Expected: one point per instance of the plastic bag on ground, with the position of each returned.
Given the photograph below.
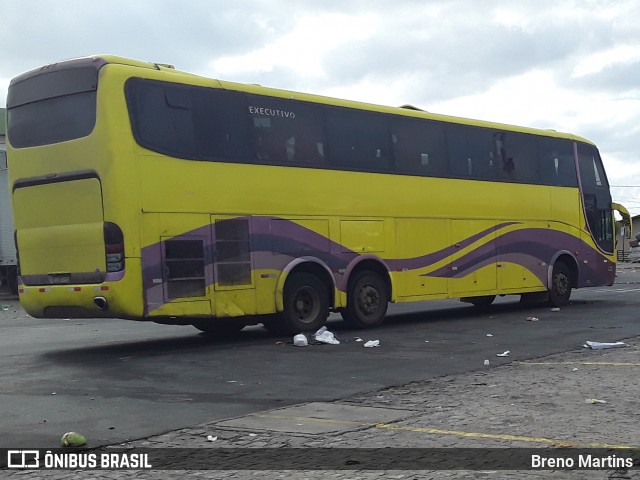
(325, 336)
(300, 340)
(603, 345)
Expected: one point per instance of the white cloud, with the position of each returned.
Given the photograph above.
(530, 99)
(4, 85)
(596, 62)
(372, 89)
(304, 49)
(572, 65)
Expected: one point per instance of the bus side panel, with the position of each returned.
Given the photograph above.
(522, 258)
(221, 265)
(176, 264)
(422, 242)
(595, 268)
(472, 270)
(565, 208)
(234, 279)
(362, 235)
(276, 242)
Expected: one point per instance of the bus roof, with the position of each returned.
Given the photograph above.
(405, 110)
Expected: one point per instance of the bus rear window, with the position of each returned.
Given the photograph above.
(52, 120)
(52, 106)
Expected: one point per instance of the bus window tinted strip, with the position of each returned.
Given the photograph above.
(202, 123)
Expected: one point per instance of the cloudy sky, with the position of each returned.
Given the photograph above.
(567, 65)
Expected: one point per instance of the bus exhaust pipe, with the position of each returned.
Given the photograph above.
(101, 303)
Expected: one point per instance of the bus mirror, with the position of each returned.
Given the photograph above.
(624, 225)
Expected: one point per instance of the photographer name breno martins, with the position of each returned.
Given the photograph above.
(581, 461)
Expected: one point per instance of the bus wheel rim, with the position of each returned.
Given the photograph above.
(369, 300)
(306, 304)
(562, 284)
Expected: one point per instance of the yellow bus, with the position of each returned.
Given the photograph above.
(143, 192)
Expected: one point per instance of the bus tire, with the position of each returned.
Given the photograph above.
(306, 305)
(561, 285)
(367, 300)
(481, 302)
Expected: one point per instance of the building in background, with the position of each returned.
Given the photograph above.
(623, 244)
(8, 257)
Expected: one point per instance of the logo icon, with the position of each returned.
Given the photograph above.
(23, 459)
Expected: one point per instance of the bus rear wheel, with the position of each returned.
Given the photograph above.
(561, 285)
(367, 300)
(480, 302)
(306, 305)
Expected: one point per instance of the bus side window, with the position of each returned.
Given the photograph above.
(557, 162)
(285, 132)
(176, 118)
(471, 152)
(162, 117)
(220, 125)
(517, 159)
(358, 140)
(187, 121)
(418, 147)
(266, 145)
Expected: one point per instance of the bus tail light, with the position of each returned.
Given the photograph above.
(114, 247)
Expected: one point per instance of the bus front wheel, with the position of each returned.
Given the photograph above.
(306, 305)
(367, 300)
(561, 285)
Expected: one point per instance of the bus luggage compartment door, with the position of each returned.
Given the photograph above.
(233, 267)
(473, 268)
(60, 231)
(176, 264)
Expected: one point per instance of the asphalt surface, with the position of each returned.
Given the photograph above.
(117, 381)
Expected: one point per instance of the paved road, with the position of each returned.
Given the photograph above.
(116, 380)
